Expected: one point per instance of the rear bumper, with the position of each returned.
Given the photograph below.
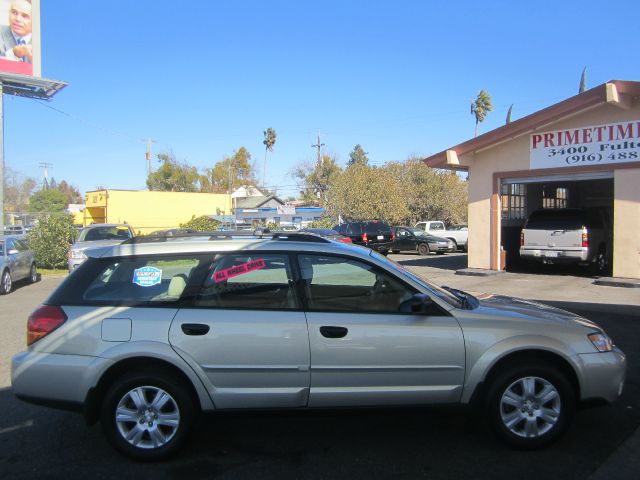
(55, 380)
(555, 255)
(379, 247)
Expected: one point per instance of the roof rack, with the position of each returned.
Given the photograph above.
(230, 235)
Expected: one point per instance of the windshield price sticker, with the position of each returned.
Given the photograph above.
(147, 276)
(241, 269)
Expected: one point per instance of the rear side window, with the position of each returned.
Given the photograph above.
(354, 228)
(253, 281)
(375, 228)
(149, 280)
(436, 226)
(555, 220)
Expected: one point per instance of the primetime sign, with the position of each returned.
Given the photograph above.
(578, 147)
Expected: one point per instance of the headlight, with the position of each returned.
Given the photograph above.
(601, 341)
(78, 254)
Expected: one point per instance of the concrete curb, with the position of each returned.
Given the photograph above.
(617, 282)
(622, 464)
(478, 272)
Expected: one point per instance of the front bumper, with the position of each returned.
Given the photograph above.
(603, 375)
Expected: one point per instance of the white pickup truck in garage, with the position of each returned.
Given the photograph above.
(457, 233)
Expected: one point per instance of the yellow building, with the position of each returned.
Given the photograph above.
(149, 211)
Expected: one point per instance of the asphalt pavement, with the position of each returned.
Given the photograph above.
(444, 443)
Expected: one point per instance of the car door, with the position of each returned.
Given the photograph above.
(363, 350)
(13, 259)
(407, 240)
(246, 331)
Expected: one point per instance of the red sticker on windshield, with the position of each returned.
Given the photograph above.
(241, 269)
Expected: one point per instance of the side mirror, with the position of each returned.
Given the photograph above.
(418, 303)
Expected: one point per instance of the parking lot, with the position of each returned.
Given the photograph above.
(408, 443)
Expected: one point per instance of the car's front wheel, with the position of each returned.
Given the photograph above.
(5, 282)
(423, 249)
(147, 415)
(530, 405)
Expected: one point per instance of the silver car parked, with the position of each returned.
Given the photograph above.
(97, 235)
(147, 334)
(16, 262)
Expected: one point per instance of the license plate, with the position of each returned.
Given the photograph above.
(380, 237)
(551, 254)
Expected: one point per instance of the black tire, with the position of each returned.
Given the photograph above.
(423, 249)
(33, 274)
(558, 406)
(600, 265)
(465, 247)
(6, 282)
(150, 385)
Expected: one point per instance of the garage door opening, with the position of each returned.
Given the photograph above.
(522, 196)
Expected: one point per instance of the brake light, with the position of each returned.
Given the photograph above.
(43, 321)
(345, 240)
(522, 239)
(364, 237)
(393, 237)
(585, 237)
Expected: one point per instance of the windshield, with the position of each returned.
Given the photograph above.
(104, 233)
(438, 291)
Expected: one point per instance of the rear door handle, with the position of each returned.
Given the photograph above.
(333, 332)
(195, 328)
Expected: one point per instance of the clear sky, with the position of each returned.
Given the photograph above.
(206, 77)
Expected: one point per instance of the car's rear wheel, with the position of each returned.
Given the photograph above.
(530, 405)
(33, 273)
(423, 249)
(147, 415)
(5, 282)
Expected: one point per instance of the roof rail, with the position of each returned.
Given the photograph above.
(229, 235)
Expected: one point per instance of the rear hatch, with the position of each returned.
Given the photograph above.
(554, 230)
(378, 232)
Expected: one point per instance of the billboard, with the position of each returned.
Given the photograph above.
(20, 37)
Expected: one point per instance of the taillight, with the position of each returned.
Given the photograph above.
(44, 321)
(522, 239)
(585, 237)
(393, 237)
(345, 240)
(364, 237)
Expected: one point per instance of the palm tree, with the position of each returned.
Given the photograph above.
(269, 141)
(480, 107)
(583, 81)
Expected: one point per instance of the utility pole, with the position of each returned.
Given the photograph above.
(318, 146)
(45, 166)
(149, 141)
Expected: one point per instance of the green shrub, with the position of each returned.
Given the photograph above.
(273, 226)
(201, 224)
(324, 222)
(50, 240)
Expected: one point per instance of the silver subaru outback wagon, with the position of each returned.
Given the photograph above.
(145, 335)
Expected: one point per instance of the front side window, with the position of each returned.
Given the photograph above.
(253, 281)
(345, 284)
(140, 280)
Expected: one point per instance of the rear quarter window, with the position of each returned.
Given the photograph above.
(149, 280)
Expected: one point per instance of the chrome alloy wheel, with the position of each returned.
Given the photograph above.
(147, 417)
(7, 283)
(530, 407)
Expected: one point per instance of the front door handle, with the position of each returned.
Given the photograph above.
(195, 328)
(334, 332)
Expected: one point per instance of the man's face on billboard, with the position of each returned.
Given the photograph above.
(20, 17)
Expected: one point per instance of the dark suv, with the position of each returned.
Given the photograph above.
(374, 234)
